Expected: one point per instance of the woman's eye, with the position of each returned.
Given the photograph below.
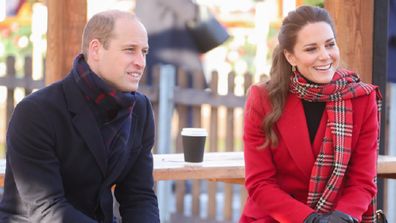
(330, 45)
(310, 49)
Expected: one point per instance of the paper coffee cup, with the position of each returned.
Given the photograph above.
(194, 144)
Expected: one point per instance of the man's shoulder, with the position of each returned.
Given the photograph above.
(47, 97)
(47, 92)
(142, 103)
(141, 98)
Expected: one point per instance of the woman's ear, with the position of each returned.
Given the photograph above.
(289, 57)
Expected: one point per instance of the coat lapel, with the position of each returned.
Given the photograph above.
(293, 131)
(85, 122)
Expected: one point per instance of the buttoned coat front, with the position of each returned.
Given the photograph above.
(277, 178)
(57, 168)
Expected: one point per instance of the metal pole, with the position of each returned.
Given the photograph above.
(166, 104)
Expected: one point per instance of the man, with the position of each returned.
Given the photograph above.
(70, 143)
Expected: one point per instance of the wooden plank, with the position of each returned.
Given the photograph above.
(10, 71)
(179, 218)
(228, 188)
(213, 141)
(354, 30)
(66, 20)
(216, 165)
(26, 83)
(226, 165)
(198, 83)
(248, 80)
(244, 196)
(27, 68)
(198, 97)
(182, 112)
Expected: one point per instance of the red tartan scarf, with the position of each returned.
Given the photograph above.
(332, 161)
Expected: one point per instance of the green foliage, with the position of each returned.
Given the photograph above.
(319, 3)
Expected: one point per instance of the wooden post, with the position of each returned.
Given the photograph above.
(11, 72)
(27, 67)
(354, 21)
(66, 20)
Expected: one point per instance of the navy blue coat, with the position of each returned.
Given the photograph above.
(56, 162)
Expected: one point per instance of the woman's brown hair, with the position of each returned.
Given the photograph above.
(278, 86)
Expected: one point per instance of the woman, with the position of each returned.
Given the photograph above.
(311, 132)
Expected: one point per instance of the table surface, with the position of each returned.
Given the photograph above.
(229, 166)
(219, 166)
(216, 165)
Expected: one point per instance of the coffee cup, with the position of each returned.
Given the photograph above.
(193, 144)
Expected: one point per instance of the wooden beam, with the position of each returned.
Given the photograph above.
(354, 27)
(66, 20)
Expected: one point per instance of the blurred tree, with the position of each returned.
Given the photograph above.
(319, 3)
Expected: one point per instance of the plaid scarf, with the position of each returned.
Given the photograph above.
(111, 108)
(108, 100)
(335, 152)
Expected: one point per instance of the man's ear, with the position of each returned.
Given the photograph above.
(289, 57)
(94, 49)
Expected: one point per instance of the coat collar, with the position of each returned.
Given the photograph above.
(84, 120)
(293, 131)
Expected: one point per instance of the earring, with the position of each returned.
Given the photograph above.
(293, 68)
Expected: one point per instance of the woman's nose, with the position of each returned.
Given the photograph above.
(324, 54)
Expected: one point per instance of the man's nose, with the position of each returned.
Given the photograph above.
(140, 60)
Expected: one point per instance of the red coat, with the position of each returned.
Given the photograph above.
(277, 178)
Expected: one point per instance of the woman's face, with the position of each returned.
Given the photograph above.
(315, 54)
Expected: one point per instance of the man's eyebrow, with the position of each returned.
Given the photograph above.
(133, 45)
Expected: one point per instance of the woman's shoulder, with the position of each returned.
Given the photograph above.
(258, 96)
(258, 90)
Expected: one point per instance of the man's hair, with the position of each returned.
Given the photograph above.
(100, 27)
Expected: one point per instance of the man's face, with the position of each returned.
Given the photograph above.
(121, 65)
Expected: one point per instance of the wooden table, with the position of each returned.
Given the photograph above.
(229, 167)
(220, 166)
(217, 166)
